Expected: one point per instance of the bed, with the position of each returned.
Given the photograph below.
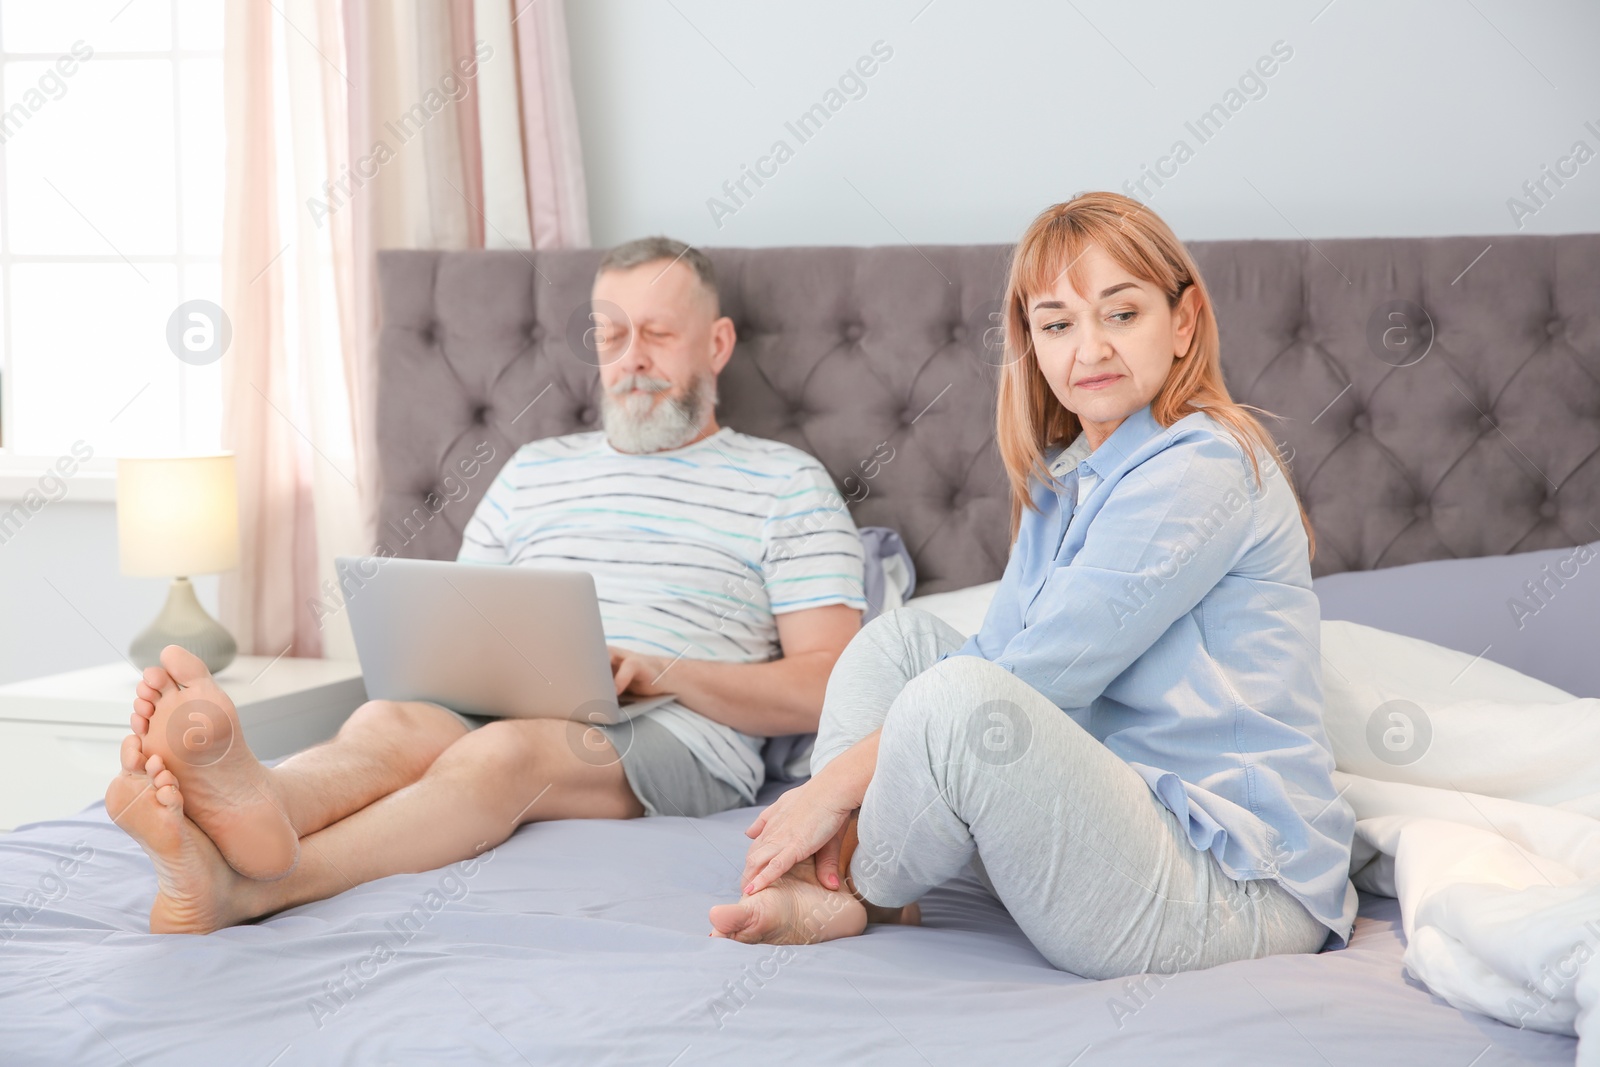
(1462, 434)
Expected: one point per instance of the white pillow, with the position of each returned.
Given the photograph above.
(1399, 709)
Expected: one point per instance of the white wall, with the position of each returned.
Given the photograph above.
(1389, 120)
(92, 611)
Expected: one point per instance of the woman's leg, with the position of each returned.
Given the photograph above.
(1095, 870)
(864, 682)
(888, 652)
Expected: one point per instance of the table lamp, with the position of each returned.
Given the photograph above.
(179, 516)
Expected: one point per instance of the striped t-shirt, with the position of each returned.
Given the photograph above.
(694, 552)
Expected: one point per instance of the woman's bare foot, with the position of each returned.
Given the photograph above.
(794, 910)
(194, 881)
(193, 732)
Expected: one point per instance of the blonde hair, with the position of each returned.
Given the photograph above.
(1030, 419)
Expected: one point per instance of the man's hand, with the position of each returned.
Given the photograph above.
(639, 674)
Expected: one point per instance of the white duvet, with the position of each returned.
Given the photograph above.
(1477, 797)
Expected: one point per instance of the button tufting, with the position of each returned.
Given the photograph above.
(853, 332)
(536, 334)
(427, 331)
(1422, 510)
(480, 414)
(1549, 508)
(584, 415)
(1361, 422)
(1554, 327)
(1485, 423)
(958, 333)
(1304, 332)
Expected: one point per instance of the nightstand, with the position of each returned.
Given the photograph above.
(61, 734)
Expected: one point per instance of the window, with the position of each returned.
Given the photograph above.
(111, 185)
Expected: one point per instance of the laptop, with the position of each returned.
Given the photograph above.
(505, 642)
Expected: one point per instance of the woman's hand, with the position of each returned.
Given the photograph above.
(807, 820)
(810, 820)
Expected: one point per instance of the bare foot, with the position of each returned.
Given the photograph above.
(194, 733)
(794, 910)
(193, 879)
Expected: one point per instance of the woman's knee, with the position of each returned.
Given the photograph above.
(963, 697)
(911, 626)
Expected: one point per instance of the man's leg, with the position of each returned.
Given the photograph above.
(184, 723)
(385, 745)
(472, 797)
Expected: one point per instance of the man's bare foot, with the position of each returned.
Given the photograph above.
(193, 879)
(194, 733)
(794, 910)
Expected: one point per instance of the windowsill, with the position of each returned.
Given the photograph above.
(87, 486)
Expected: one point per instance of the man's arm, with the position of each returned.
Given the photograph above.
(781, 696)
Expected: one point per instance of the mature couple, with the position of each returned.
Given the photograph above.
(1162, 796)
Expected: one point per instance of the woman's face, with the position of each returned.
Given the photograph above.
(1106, 353)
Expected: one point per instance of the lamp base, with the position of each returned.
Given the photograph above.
(184, 622)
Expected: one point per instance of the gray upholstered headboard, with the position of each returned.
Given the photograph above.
(1487, 445)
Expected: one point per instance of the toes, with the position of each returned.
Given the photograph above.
(155, 765)
(132, 755)
(148, 694)
(164, 779)
(157, 679)
(732, 920)
(184, 666)
(169, 796)
(144, 708)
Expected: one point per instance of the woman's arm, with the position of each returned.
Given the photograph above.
(809, 820)
(1169, 531)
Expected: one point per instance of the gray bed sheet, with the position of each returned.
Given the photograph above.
(586, 943)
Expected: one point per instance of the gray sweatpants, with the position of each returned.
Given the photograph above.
(977, 767)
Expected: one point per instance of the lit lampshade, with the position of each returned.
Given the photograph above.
(178, 516)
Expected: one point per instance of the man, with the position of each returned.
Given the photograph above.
(728, 572)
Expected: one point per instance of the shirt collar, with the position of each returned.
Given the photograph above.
(1124, 441)
(1070, 457)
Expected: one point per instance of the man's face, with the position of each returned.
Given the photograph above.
(660, 357)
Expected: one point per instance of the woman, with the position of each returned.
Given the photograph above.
(1130, 752)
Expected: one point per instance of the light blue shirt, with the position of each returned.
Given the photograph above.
(1170, 613)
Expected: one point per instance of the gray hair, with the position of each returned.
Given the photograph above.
(644, 250)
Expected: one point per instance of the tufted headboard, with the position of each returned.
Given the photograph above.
(1485, 445)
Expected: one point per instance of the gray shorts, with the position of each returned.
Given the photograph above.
(661, 771)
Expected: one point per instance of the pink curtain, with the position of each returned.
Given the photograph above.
(276, 518)
(467, 133)
(558, 210)
(313, 89)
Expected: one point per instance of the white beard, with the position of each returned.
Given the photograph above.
(639, 422)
